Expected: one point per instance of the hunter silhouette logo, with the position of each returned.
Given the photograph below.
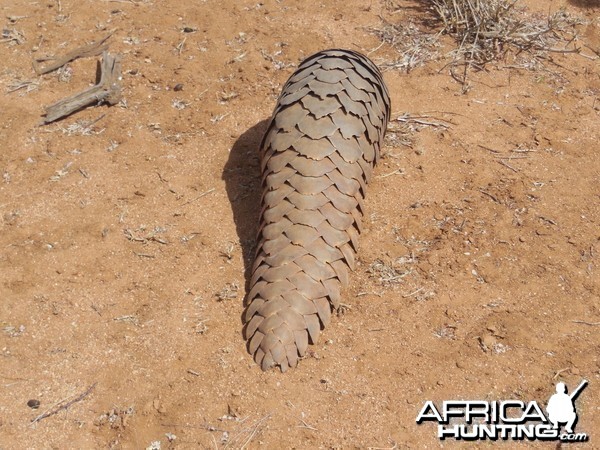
(561, 406)
(507, 419)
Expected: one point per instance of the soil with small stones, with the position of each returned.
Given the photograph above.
(125, 244)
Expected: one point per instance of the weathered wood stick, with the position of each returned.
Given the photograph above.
(64, 404)
(93, 49)
(107, 90)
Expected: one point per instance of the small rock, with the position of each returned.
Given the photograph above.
(33, 404)
(158, 406)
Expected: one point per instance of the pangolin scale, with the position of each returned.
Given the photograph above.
(317, 156)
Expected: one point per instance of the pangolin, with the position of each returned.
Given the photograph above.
(317, 156)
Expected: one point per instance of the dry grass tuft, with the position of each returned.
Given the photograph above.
(414, 47)
(389, 272)
(485, 31)
(230, 291)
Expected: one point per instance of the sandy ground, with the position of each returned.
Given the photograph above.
(125, 243)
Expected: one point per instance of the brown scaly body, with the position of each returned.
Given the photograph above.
(317, 157)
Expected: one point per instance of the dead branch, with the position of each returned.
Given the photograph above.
(93, 49)
(108, 90)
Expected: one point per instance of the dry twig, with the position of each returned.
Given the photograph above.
(198, 197)
(93, 49)
(64, 404)
(591, 324)
(307, 426)
(250, 431)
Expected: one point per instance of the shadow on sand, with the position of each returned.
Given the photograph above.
(242, 182)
